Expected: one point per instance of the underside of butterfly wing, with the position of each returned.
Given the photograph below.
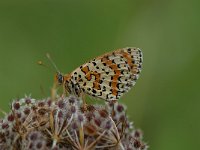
(111, 75)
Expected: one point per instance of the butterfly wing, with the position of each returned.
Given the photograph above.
(111, 75)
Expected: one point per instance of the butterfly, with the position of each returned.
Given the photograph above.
(107, 77)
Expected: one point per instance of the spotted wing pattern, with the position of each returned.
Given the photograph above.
(111, 75)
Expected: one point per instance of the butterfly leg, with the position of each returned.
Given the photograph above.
(64, 91)
(84, 106)
(54, 91)
(112, 104)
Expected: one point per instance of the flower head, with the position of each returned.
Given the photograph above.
(62, 124)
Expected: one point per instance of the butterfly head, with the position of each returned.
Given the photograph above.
(59, 78)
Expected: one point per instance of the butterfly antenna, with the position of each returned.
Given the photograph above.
(44, 65)
(52, 62)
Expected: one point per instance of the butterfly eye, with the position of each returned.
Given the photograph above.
(60, 78)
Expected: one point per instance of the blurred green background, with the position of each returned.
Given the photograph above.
(165, 103)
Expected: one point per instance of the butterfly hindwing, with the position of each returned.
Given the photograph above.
(111, 75)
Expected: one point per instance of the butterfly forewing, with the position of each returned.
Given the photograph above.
(111, 75)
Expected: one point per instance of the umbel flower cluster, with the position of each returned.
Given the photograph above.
(62, 125)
